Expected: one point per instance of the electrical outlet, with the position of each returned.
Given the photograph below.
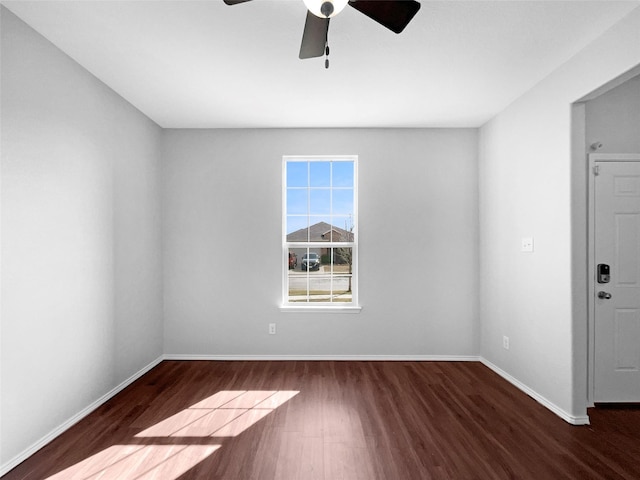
(505, 342)
(272, 329)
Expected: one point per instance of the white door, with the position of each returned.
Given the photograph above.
(617, 303)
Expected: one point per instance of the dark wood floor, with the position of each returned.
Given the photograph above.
(334, 420)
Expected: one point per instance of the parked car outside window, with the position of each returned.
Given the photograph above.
(310, 261)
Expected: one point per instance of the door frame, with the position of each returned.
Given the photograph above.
(593, 160)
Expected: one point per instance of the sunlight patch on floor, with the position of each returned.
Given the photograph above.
(138, 461)
(225, 414)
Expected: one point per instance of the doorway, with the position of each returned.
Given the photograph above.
(605, 121)
(614, 277)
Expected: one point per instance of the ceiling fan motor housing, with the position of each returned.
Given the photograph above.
(326, 8)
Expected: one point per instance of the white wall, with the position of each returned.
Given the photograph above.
(222, 206)
(614, 119)
(531, 186)
(81, 290)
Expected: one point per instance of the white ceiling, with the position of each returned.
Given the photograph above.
(203, 64)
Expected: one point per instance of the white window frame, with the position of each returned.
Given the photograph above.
(345, 307)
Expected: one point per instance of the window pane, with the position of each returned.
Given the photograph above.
(311, 261)
(343, 201)
(297, 254)
(320, 201)
(297, 201)
(296, 278)
(342, 174)
(343, 229)
(342, 269)
(292, 261)
(341, 288)
(297, 229)
(297, 174)
(342, 260)
(297, 287)
(320, 174)
(319, 288)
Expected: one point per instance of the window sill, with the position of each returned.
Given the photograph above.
(320, 309)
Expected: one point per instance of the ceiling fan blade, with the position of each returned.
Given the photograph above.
(393, 14)
(235, 2)
(314, 38)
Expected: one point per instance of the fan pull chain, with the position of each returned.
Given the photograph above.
(326, 53)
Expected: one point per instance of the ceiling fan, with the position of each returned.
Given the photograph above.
(392, 14)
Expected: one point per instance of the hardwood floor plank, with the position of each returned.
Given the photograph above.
(289, 463)
(331, 420)
(346, 462)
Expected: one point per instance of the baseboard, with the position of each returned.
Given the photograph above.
(346, 358)
(567, 417)
(21, 457)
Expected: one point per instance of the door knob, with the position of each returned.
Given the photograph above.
(604, 295)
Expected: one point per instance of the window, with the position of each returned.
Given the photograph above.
(320, 232)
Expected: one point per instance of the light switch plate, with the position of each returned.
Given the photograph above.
(527, 244)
